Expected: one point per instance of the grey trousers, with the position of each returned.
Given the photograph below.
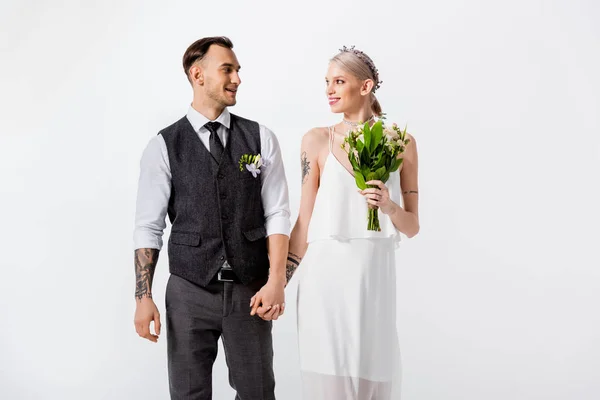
(196, 318)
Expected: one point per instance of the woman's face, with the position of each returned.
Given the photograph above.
(343, 90)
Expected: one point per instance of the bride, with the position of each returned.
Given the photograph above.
(346, 304)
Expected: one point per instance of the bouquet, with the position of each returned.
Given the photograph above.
(373, 152)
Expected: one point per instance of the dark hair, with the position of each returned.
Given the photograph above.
(198, 49)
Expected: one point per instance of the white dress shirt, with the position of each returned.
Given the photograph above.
(154, 187)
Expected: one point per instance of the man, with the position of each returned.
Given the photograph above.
(220, 179)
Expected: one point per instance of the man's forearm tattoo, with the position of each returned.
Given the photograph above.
(293, 261)
(305, 167)
(145, 264)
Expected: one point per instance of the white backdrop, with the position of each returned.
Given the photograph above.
(499, 293)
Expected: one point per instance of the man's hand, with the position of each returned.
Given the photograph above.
(146, 312)
(269, 301)
(145, 309)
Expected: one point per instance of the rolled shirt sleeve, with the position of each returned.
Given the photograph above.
(154, 191)
(274, 192)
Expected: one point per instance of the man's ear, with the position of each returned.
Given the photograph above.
(196, 74)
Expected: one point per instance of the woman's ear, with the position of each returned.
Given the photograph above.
(366, 87)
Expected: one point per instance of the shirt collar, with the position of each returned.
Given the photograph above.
(198, 120)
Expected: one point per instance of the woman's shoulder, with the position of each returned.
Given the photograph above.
(316, 137)
(412, 143)
(411, 148)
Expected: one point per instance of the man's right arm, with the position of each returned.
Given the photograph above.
(145, 264)
(154, 191)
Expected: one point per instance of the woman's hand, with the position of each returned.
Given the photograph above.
(380, 197)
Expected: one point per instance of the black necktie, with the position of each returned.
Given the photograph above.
(215, 144)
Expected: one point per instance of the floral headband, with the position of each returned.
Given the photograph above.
(367, 60)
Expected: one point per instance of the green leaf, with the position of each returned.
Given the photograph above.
(380, 172)
(353, 161)
(360, 180)
(385, 177)
(371, 176)
(377, 134)
(367, 135)
(396, 164)
(382, 162)
(365, 157)
(359, 146)
(364, 169)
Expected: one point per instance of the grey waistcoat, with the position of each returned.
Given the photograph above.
(215, 209)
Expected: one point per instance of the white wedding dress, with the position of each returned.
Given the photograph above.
(346, 303)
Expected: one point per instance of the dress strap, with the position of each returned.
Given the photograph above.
(330, 139)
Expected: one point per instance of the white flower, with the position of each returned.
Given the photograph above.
(390, 133)
(253, 169)
(258, 162)
(253, 163)
(360, 136)
(355, 132)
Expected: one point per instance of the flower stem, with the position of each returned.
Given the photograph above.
(373, 220)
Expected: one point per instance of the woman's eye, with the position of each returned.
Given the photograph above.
(339, 81)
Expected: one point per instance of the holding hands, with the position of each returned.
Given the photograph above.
(269, 301)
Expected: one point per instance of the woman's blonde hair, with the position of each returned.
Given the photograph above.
(362, 67)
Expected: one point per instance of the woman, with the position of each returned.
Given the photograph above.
(347, 284)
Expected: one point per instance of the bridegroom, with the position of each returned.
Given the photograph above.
(220, 179)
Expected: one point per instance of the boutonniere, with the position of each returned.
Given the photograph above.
(253, 163)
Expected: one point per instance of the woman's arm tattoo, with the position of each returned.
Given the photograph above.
(293, 261)
(305, 167)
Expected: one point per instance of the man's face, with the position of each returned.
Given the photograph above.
(220, 77)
